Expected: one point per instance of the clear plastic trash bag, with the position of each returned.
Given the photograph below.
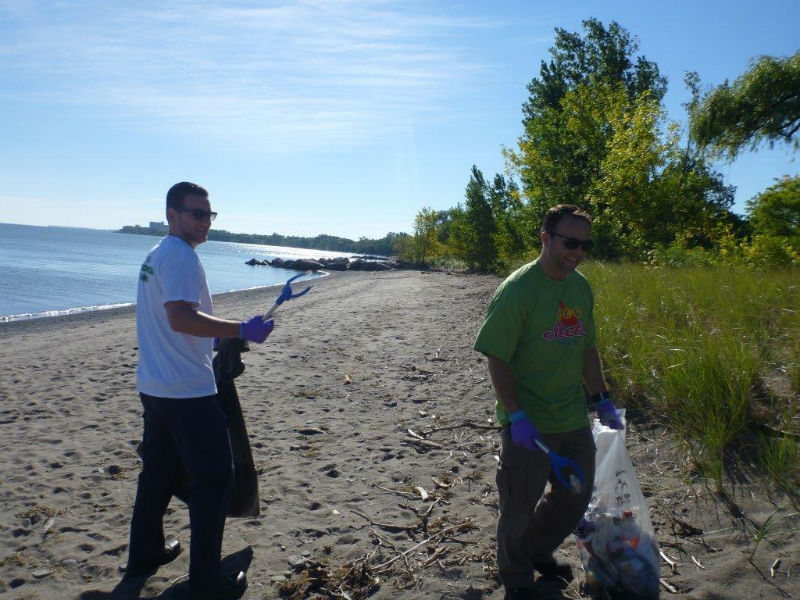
(616, 541)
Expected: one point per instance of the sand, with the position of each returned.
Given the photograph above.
(341, 404)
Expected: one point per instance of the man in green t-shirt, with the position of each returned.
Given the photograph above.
(539, 337)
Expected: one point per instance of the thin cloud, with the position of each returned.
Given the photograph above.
(285, 78)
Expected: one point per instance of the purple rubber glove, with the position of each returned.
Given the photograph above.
(608, 415)
(523, 432)
(256, 329)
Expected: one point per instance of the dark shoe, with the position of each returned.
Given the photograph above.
(553, 570)
(171, 550)
(518, 594)
(231, 587)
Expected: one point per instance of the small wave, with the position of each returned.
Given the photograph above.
(59, 313)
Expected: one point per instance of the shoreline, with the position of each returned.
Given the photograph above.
(84, 315)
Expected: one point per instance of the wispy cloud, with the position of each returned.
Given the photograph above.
(284, 78)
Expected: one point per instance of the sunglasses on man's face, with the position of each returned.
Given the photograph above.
(199, 215)
(570, 243)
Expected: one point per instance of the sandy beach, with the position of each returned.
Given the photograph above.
(371, 424)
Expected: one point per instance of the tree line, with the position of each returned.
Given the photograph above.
(595, 133)
(379, 247)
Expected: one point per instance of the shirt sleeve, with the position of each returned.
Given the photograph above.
(502, 326)
(181, 282)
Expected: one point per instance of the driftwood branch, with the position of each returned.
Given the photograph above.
(422, 443)
(414, 547)
(399, 492)
(672, 564)
(387, 526)
(668, 587)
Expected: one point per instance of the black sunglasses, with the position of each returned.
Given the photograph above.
(570, 243)
(198, 214)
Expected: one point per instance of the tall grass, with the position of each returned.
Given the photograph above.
(714, 352)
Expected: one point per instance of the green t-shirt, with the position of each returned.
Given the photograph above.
(541, 327)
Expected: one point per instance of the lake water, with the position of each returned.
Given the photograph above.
(47, 271)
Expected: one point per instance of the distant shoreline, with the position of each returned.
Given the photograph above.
(380, 247)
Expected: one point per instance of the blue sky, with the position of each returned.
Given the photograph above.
(342, 117)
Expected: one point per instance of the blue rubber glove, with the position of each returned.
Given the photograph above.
(608, 415)
(523, 432)
(256, 329)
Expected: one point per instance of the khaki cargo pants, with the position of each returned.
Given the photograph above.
(531, 526)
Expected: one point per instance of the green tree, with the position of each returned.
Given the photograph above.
(762, 105)
(612, 151)
(776, 211)
(403, 246)
(459, 239)
(602, 54)
(426, 243)
(699, 199)
(479, 222)
(508, 238)
(567, 131)
(629, 212)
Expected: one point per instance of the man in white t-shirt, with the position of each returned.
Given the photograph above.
(184, 427)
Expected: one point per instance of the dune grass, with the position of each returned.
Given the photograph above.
(715, 354)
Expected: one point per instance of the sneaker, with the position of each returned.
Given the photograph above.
(171, 550)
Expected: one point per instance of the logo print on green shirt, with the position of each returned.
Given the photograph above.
(569, 324)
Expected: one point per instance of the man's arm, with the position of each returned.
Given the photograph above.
(593, 371)
(503, 382)
(183, 318)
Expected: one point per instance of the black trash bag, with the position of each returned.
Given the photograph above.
(228, 366)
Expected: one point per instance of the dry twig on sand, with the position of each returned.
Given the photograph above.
(672, 563)
(668, 587)
(387, 526)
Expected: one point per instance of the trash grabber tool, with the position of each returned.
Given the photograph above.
(286, 294)
(573, 481)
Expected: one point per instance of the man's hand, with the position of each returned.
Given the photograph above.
(608, 415)
(523, 432)
(256, 329)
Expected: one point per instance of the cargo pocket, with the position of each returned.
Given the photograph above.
(511, 478)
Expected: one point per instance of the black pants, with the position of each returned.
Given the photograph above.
(191, 433)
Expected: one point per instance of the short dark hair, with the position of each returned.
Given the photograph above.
(178, 192)
(553, 216)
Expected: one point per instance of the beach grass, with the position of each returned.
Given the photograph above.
(713, 352)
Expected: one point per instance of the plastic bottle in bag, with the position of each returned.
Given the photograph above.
(630, 531)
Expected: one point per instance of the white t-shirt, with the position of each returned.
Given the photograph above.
(172, 364)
